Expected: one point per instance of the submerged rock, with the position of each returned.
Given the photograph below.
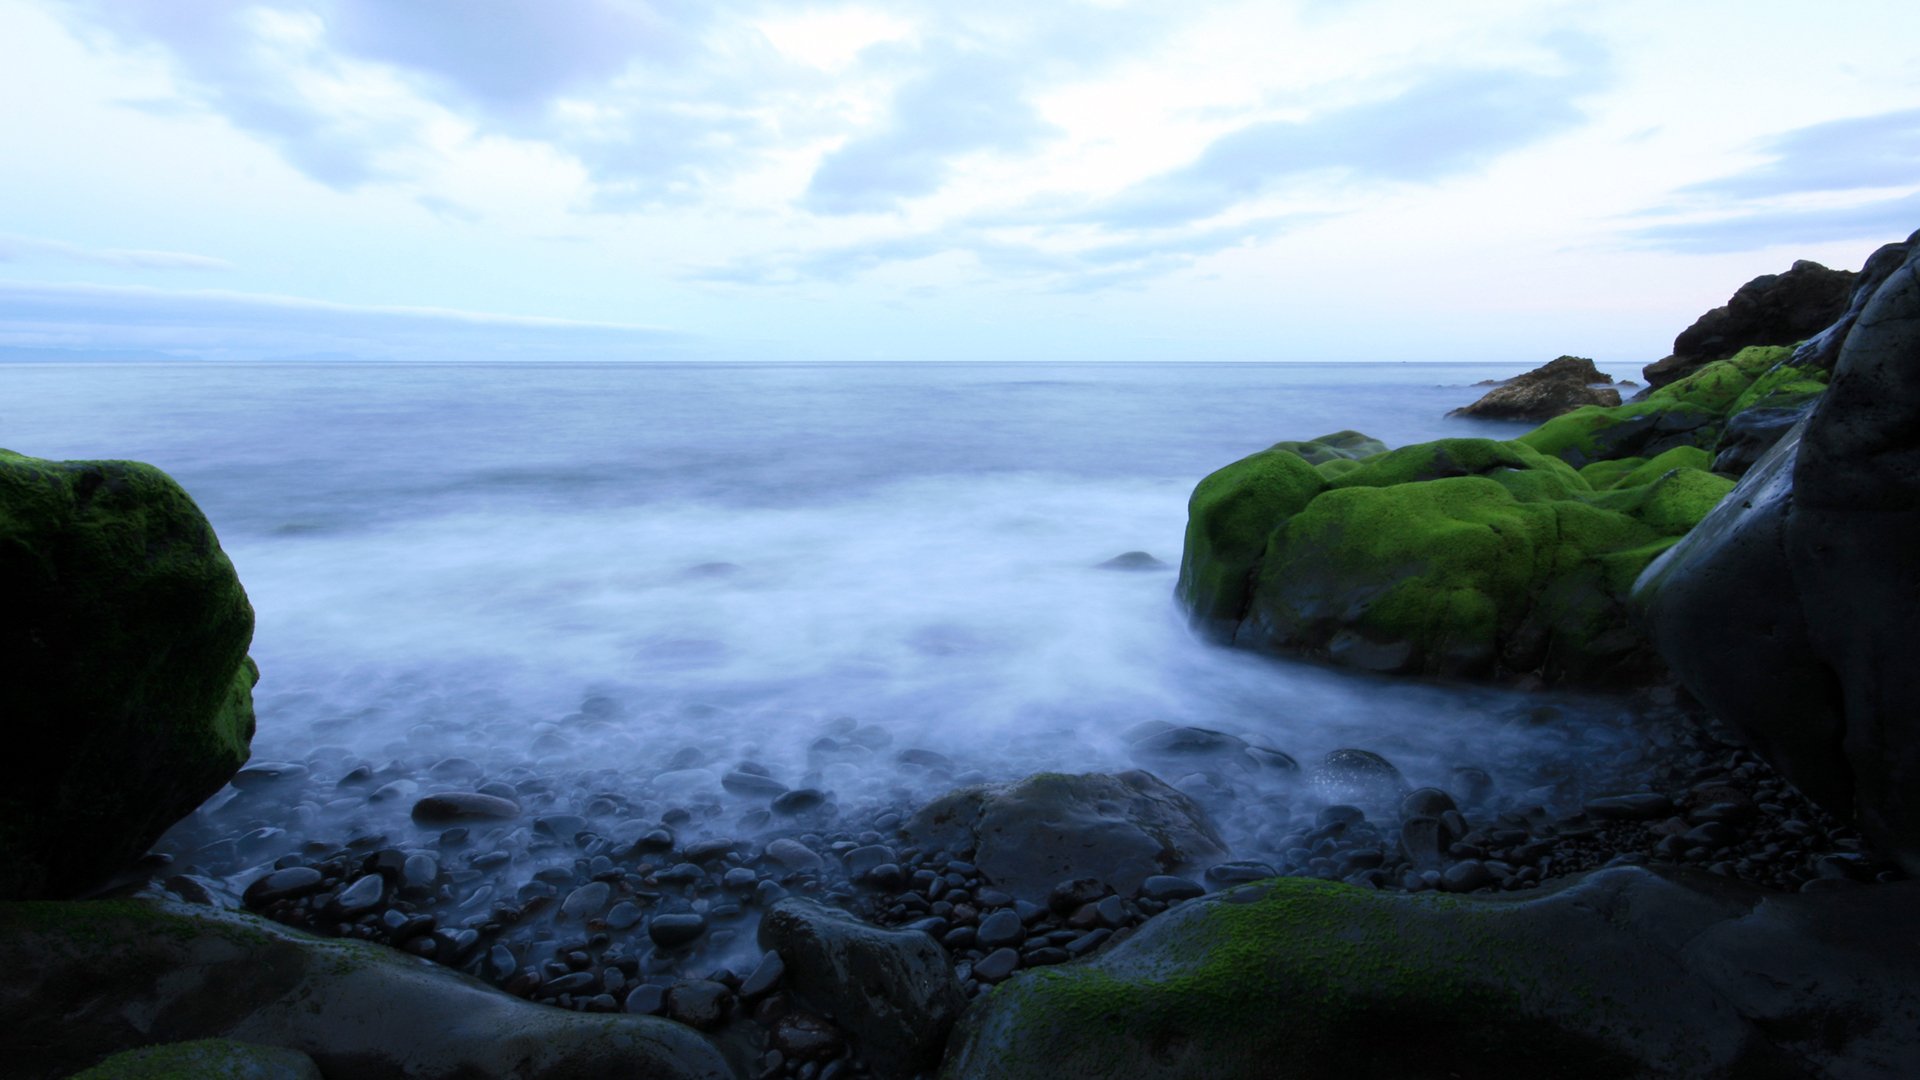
(1029, 835)
(1623, 973)
(355, 1009)
(123, 653)
(1558, 386)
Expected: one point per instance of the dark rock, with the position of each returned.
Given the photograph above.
(1788, 611)
(894, 991)
(794, 855)
(123, 667)
(1031, 834)
(1772, 309)
(264, 774)
(1750, 434)
(1132, 560)
(1622, 973)
(586, 901)
(1166, 888)
(674, 930)
(1558, 386)
(295, 881)
(451, 806)
(1003, 927)
(363, 895)
(1641, 806)
(799, 801)
(997, 965)
(206, 1059)
(1361, 777)
(861, 862)
(1075, 892)
(699, 1003)
(752, 785)
(1466, 876)
(1239, 872)
(647, 999)
(1187, 747)
(1426, 802)
(355, 1009)
(803, 1036)
(1424, 843)
(765, 977)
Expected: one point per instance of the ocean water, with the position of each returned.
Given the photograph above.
(626, 580)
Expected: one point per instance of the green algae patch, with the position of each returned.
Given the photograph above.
(1291, 977)
(123, 642)
(204, 1059)
(1229, 518)
(1339, 446)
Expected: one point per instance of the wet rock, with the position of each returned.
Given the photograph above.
(448, 807)
(861, 862)
(1426, 802)
(295, 881)
(1031, 834)
(1361, 777)
(802, 1036)
(1772, 309)
(647, 999)
(1239, 872)
(765, 977)
(264, 774)
(1558, 386)
(750, 785)
(1466, 876)
(799, 801)
(1003, 927)
(355, 1009)
(794, 855)
(586, 901)
(1132, 560)
(1638, 806)
(672, 931)
(362, 895)
(206, 1059)
(699, 1003)
(894, 991)
(1166, 889)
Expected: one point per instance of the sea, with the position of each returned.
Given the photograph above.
(616, 583)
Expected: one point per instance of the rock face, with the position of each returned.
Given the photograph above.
(82, 980)
(1623, 973)
(1790, 611)
(1556, 387)
(1772, 309)
(1030, 835)
(123, 642)
(206, 1059)
(894, 990)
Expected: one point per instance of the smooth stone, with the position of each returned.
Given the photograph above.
(996, 966)
(587, 900)
(699, 1003)
(706, 851)
(1003, 927)
(1641, 806)
(563, 827)
(766, 975)
(752, 785)
(799, 801)
(802, 1036)
(1426, 802)
(1132, 560)
(1166, 888)
(674, 930)
(624, 916)
(1238, 872)
(1466, 876)
(362, 895)
(794, 855)
(647, 999)
(863, 861)
(294, 881)
(420, 869)
(262, 774)
(451, 806)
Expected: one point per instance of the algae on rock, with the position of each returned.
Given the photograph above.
(123, 644)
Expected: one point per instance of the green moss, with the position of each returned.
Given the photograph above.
(124, 642)
(203, 1059)
(1451, 457)
(1229, 518)
(1335, 468)
(1339, 446)
(1680, 457)
(1781, 387)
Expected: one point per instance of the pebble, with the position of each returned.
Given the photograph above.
(624, 916)
(674, 930)
(862, 861)
(766, 975)
(803, 1036)
(262, 774)
(1466, 876)
(285, 884)
(587, 900)
(420, 869)
(648, 999)
(362, 895)
(794, 855)
(699, 1003)
(996, 965)
(1239, 872)
(1166, 888)
(451, 806)
(751, 785)
(1003, 927)
(799, 801)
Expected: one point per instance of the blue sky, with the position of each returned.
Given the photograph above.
(1078, 179)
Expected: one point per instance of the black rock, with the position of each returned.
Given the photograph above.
(451, 806)
(1165, 888)
(674, 930)
(699, 1003)
(996, 966)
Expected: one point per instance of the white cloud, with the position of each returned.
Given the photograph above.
(23, 248)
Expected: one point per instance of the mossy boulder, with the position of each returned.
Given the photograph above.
(82, 980)
(205, 1059)
(123, 655)
(1622, 973)
(1460, 557)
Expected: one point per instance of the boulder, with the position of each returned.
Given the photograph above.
(1772, 309)
(83, 980)
(1558, 386)
(1032, 834)
(123, 659)
(1462, 557)
(1790, 610)
(1624, 972)
(893, 990)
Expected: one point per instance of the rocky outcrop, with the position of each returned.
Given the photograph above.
(84, 980)
(1625, 972)
(892, 990)
(206, 1059)
(1558, 386)
(1790, 611)
(1772, 309)
(123, 657)
(1031, 835)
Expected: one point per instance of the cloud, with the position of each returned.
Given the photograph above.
(1840, 155)
(228, 325)
(16, 248)
(1448, 124)
(963, 103)
(1882, 219)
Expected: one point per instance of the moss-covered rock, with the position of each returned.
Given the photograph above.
(82, 980)
(205, 1059)
(1624, 973)
(123, 653)
(1460, 557)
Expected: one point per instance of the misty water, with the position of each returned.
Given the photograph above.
(611, 584)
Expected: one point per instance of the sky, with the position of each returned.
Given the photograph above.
(1373, 180)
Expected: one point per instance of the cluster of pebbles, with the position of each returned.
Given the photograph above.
(571, 893)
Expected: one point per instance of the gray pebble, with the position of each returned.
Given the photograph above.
(996, 965)
(587, 900)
